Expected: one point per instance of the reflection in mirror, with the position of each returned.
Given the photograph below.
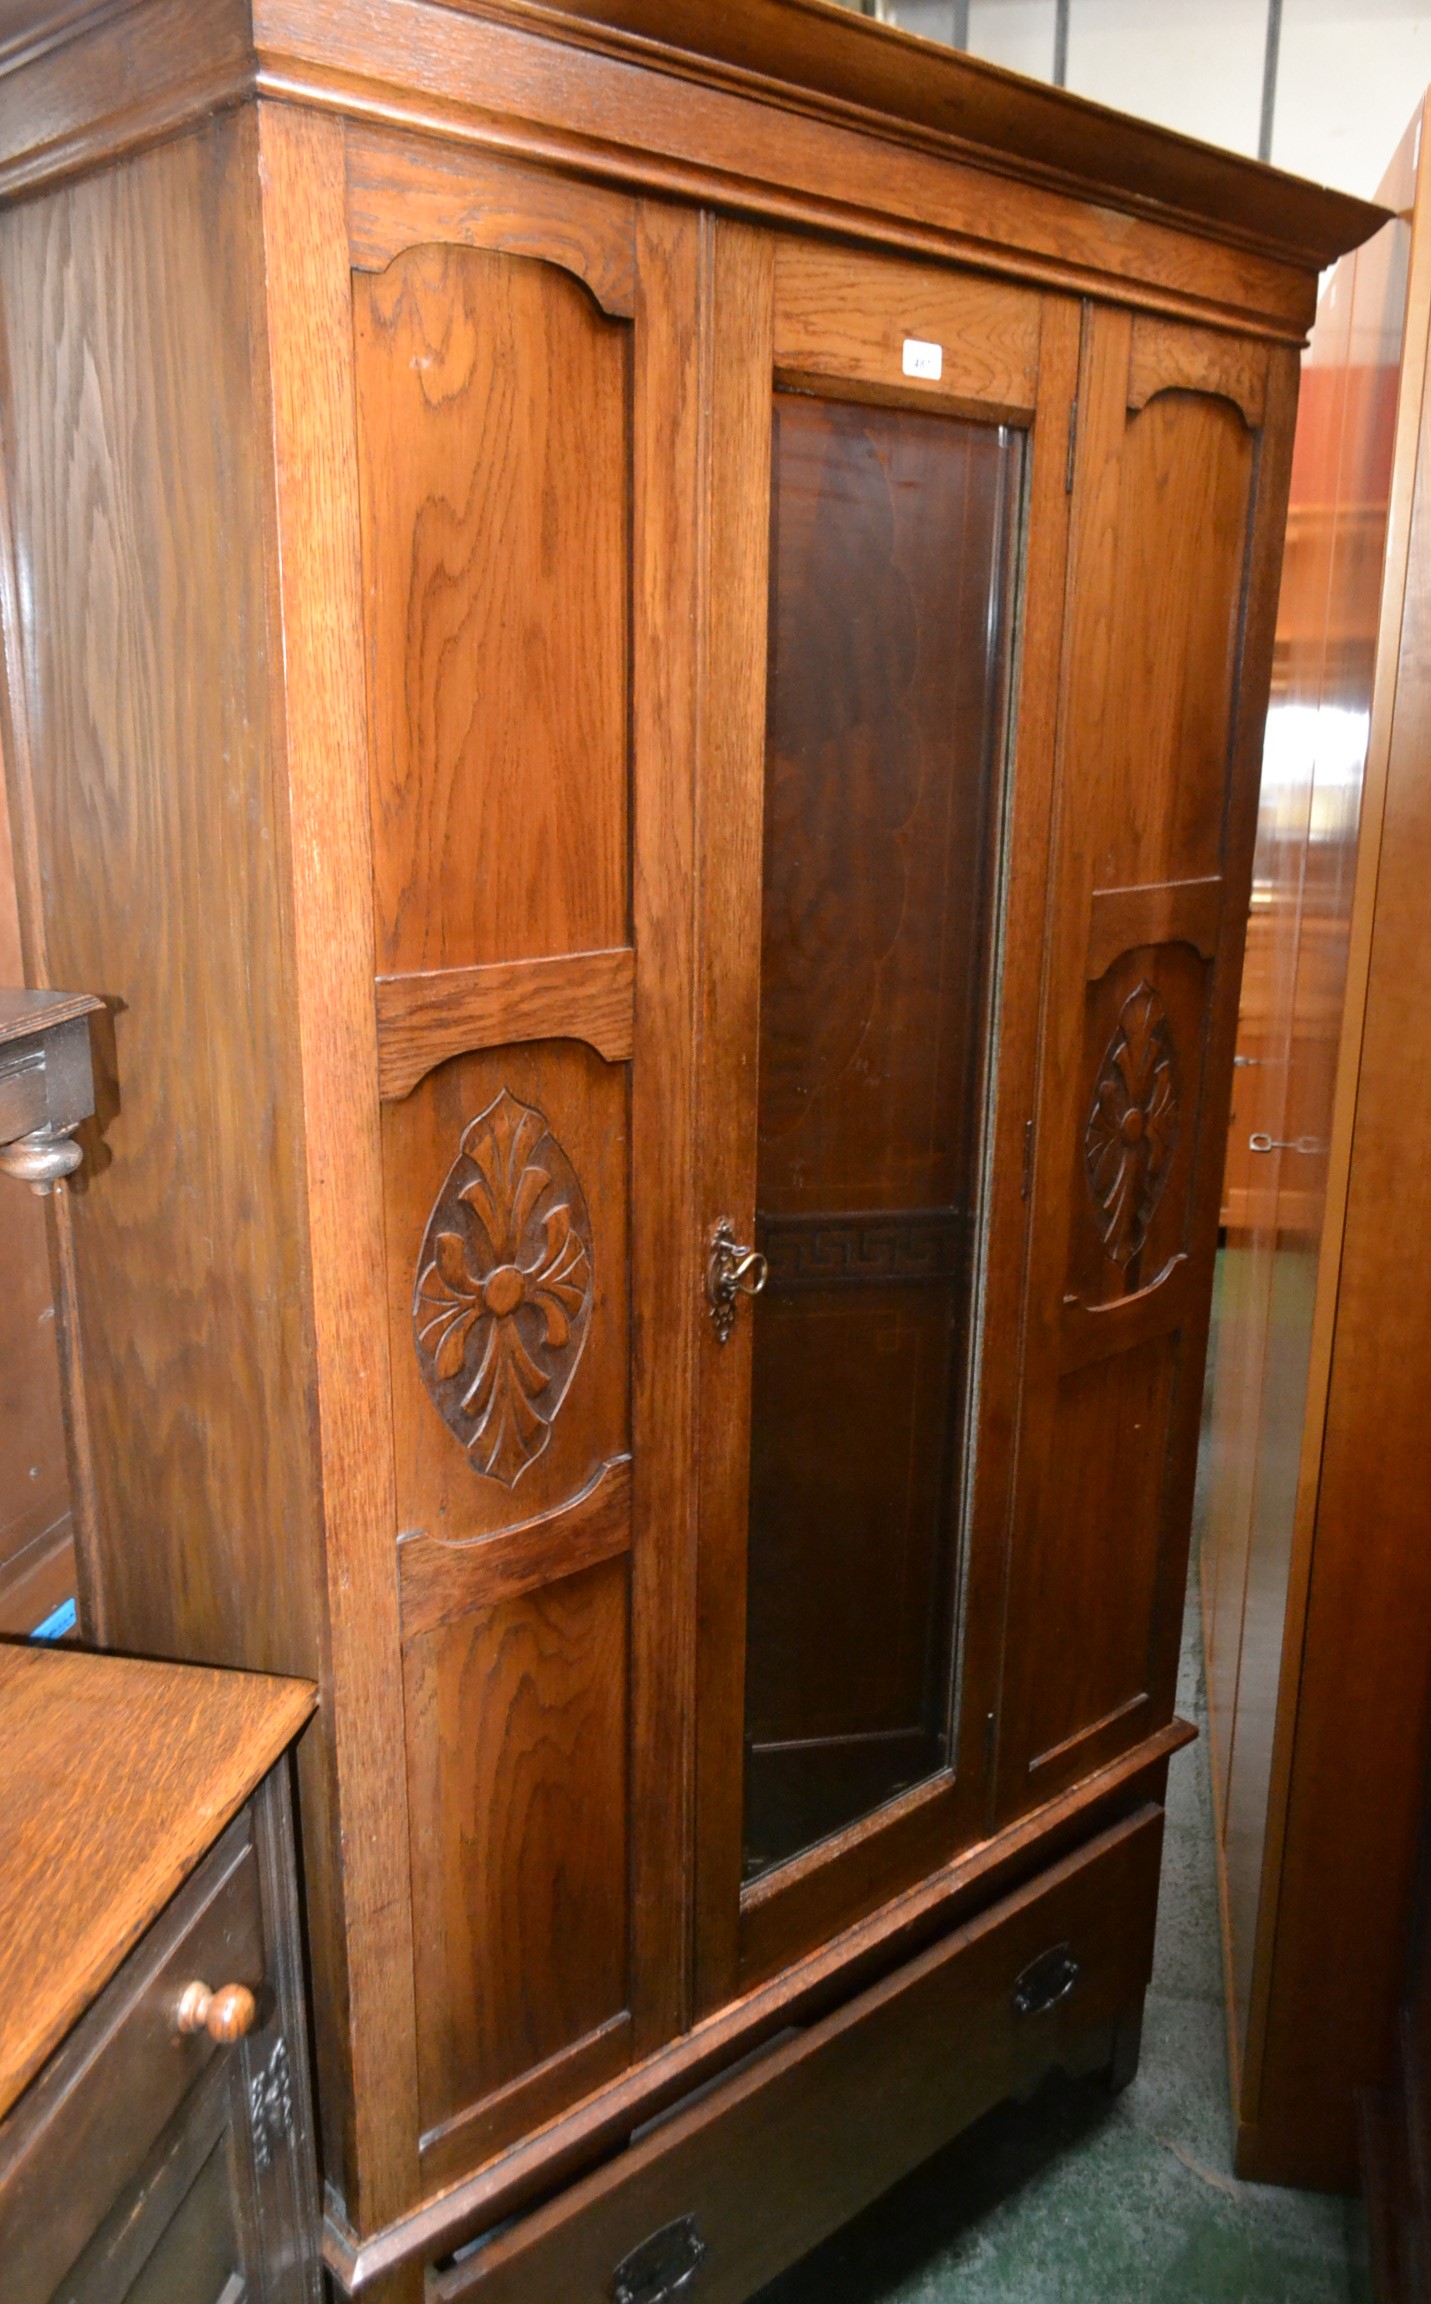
(892, 547)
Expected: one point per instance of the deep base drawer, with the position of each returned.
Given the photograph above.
(750, 2176)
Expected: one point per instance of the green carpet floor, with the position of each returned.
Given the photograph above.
(1077, 2198)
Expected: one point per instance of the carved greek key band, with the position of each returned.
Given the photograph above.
(899, 1245)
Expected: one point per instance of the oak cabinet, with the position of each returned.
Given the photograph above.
(156, 2136)
(637, 663)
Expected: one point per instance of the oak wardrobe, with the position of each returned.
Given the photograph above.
(636, 649)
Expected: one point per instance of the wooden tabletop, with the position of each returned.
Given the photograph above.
(115, 1777)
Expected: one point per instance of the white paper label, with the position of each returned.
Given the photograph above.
(925, 360)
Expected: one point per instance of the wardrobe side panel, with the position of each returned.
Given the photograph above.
(153, 853)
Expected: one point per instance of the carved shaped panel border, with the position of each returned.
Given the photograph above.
(409, 191)
(1144, 1028)
(502, 1300)
(1131, 1133)
(505, 1176)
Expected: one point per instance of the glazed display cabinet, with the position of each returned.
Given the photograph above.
(637, 643)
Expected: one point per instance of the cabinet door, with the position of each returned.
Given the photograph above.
(187, 2234)
(1183, 457)
(888, 449)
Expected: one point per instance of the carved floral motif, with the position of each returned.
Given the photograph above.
(503, 1296)
(1132, 1125)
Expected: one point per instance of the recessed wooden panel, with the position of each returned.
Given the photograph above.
(493, 415)
(1097, 1570)
(524, 1319)
(1171, 633)
(517, 1772)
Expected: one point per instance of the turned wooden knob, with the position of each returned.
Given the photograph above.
(225, 2015)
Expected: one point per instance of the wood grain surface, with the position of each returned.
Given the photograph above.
(809, 1986)
(848, 1873)
(495, 429)
(731, 782)
(804, 159)
(118, 1775)
(670, 479)
(845, 318)
(356, 1850)
(1314, 1610)
(1180, 359)
(391, 477)
(152, 419)
(1163, 912)
(412, 191)
(110, 84)
(448, 1481)
(600, 107)
(427, 1017)
(442, 1581)
(492, 407)
(1348, 1801)
(1122, 1259)
(517, 1741)
(857, 2098)
(954, 94)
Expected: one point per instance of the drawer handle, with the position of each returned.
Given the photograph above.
(1045, 1982)
(662, 2266)
(225, 2015)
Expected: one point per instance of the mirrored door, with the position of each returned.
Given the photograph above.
(872, 854)
(893, 559)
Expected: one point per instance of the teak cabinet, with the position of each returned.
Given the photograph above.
(637, 645)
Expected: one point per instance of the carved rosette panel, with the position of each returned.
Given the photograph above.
(1131, 1132)
(504, 1286)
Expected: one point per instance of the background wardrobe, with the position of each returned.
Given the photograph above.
(637, 646)
(1315, 1565)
